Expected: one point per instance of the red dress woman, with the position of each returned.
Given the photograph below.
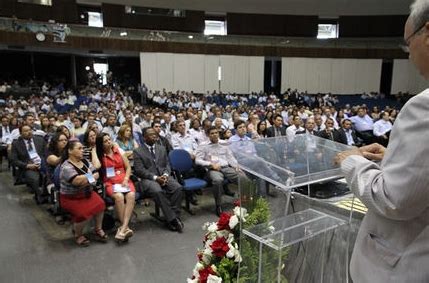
(116, 171)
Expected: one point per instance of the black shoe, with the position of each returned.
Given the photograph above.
(171, 226)
(228, 192)
(219, 210)
(178, 224)
(193, 200)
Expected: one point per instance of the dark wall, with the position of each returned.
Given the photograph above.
(7, 7)
(32, 65)
(128, 68)
(63, 11)
(115, 16)
(372, 26)
(15, 65)
(275, 25)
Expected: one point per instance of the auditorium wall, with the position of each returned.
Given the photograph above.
(337, 76)
(199, 73)
(406, 78)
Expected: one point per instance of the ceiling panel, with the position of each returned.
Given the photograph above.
(324, 8)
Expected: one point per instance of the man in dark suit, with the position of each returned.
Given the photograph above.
(329, 132)
(27, 154)
(278, 129)
(346, 135)
(162, 141)
(5, 138)
(151, 164)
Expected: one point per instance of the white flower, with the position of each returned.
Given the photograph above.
(195, 280)
(233, 221)
(197, 268)
(222, 233)
(207, 255)
(214, 268)
(206, 225)
(231, 252)
(241, 212)
(214, 279)
(212, 227)
(272, 229)
(230, 238)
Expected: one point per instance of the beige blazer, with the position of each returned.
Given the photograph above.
(393, 241)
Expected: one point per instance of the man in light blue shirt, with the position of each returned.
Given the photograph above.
(363, 125)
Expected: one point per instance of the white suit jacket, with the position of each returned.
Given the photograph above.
(393, 241)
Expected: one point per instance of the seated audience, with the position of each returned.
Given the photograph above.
(364, 125)
(111, 127)
(294, 127)
(151, 164)
(308, 128)
(115, 171)
(221, 165)
(77, 176)
(278, 129)
(126, 142)
(55, 153)
(5, 138)
(329, 132)
(162, 141)
(382, 129)
(88, 142)
(28, 153)
(346, 134)
(262, 129)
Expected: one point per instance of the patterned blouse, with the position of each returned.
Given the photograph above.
(69, 172)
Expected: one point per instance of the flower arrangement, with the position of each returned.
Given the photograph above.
(220, 259)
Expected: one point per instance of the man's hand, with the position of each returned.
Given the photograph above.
(373, 151)
(160, 180)
(215, 166)
(339, 158)
(33, 167)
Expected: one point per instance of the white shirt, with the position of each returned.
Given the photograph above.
(349, 137)
(381, 127)
(34, 156)
(6, 135)
(186, 142)
(291, 130)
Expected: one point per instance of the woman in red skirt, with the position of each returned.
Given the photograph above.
(116, 170)
(77, 176)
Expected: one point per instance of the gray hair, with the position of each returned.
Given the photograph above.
(419, 14)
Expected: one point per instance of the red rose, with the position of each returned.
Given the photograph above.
(220, 247)
(223, 222)
(237, 202)
(204, 274)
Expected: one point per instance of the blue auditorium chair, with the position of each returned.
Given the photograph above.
(181, 163)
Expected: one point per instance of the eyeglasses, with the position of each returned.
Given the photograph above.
(406, 45)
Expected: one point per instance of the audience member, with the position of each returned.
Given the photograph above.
(28, 153)
(77, 176)
(151, 164)
(221, 165)
(115, 170)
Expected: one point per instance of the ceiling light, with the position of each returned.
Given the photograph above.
(190, 36)
(123, 33)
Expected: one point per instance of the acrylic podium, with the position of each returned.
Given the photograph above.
(296, 244)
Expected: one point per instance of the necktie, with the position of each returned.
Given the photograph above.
(152, 152)
(30, 145)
